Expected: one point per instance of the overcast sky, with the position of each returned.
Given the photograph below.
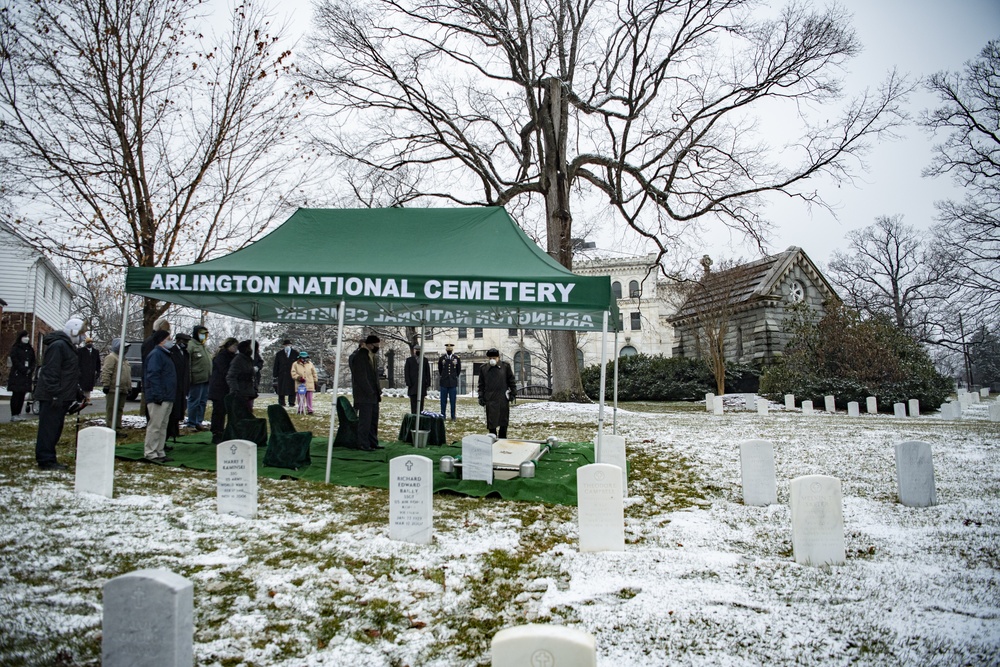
(918, 37)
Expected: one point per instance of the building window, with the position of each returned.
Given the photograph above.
(739, 343)
(636, 323)
(463, 333)
(579, 358)
(633, 289)
(429, 334)
(628, 351)
(616, 289)
(512, 333)
(478, 332)
(522, 367)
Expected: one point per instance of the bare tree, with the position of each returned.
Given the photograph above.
(143, 146)
(970, 153)
(651, 106)
(894, 269)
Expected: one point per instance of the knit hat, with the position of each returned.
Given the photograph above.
(372, 339)
(74, 327)
(229, 342)
(116, 345)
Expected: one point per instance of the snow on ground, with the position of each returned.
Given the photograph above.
(704, 579)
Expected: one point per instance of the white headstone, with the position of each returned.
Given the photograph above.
(817, 520)
(789, 401)
(762, 406)
(994, 413)
(411, 493)
(974, 397)
(853, 409)
(871, 405)
(899, 409)
(807, 407)
(963, 398)
(600, 507)
(717, 405)
(914, 404)
(477, 458)
(236, 477)
(709, 402)
(757, 468)
(984, 392)
(148, 620)
(951, 410)
(751, 401)
(829, 404)
(543, 646)
(612, 452)
(95, 461)
(915, 474)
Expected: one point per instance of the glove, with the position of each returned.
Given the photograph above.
(482, 401)
(106, 389)
(157, 402)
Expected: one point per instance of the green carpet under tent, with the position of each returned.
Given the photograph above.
(554, 481)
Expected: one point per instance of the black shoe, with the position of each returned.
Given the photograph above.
(53, 466)
(168, 448)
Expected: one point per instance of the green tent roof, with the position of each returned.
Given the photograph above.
(393, 267)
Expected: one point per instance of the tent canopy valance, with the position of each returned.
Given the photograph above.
(391, 267)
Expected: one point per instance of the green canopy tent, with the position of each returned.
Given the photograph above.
(391, 267)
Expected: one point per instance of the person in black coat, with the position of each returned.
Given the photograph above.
(182, 366)
(367, 392)
(90, 365)
(496, 392)
(240, 377)
(411, 369)
(22, 370)
(282, 373)
(57, 388)
(218, 387)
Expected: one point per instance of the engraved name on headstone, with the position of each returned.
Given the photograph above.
(95, 462)
(411, 493)
(757, 470)
(817, 520)
(236, 478)
(148, 620)
(600, 507)
(543, 646)
(915, 474)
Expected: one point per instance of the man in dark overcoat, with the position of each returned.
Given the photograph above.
(496, 392)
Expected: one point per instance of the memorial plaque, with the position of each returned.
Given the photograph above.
(762, 406)
(148, 620)
(807, 407)
(817, 520)
(829, 404)
(915, 474)
(871, 405)
(853, 409)
(600, 507)
(95, 461)
(477, 458)
(236, 478)
(914, 404)
(612, 452)
(411, 504)
(789, 401)
(709, 402)
(757, 468)
(899, 409)
(717, 405)
(543, 646)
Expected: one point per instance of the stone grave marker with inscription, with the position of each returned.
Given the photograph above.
(994, 412)
(757, 468)
(95, 462)
(709, 402)
(612, 451)
(817, 520)
(853, 409)
(148, 620)
(984, 392)
(899, 409)
(543, 646)
(789, 401)
(236, 478)
(718, 406)
(600, 507)
(751, 401)
(477, 458)
(914, 404)
(974, 396)
(807, 407)
(411, 504)
(829, 404)
(762, 406)
(871, 405)
(915, 474)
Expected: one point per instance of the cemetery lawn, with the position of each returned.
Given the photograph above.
(704, 580)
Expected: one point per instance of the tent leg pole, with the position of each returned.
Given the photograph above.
(121, 361)
(614, 411)
(604, 380)
(336, 386)
(420, 381)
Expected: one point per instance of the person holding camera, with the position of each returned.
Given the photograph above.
(159, 383)
(57, 389)
(496, 392)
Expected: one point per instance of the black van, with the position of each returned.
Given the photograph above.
(134, 356)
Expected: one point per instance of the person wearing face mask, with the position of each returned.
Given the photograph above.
(449, 370)
(182, 365)
(367, 393)
(496, 392)
(21, 361)
(240, 377)
(218, 387)
(282, 373)
(90, 365)
(57, 388)
(304, 374)
(159, 381)
(201, 371)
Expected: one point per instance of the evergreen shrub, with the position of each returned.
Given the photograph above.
(652, 378)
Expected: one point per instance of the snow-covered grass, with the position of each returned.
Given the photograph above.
(704, 580)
